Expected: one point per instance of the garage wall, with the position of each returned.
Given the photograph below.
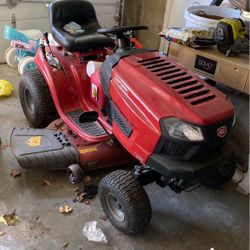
(145, 12)
(157, 15)
(34, 15)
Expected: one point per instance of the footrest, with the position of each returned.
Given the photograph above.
(92, 128)
(42, 148)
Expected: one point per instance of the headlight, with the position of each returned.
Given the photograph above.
(183, 131)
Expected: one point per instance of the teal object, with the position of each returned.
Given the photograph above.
(19, 38)
(13, 34)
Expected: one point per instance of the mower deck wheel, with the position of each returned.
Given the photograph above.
(75, 174)
(36, 100)
(125, 202)
(223, 175)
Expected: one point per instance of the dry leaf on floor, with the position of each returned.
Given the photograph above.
(15, 173)
(65, 244)
(89, 192)
(5, 146)
(9, 219)
(80, 197)
(87, 179)
(103, 217)
(46, 183)
(2, 233)
(65, 209)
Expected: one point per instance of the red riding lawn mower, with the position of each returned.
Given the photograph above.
(136, 106)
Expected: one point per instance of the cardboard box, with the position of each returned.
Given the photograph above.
(230, 71)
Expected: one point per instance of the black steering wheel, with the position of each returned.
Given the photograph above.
(123, 39)
(121, 29)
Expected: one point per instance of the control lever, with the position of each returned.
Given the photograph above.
(42, 46)
(46, 36)
(50, 58)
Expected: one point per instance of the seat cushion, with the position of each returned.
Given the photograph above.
(83, 42)
(83, 13)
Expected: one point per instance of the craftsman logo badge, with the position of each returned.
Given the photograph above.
(222, 131)
(205, 64)
(34, 141)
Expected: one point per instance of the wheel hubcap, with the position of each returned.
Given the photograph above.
(115, 208)
(28, 101)
(30, 67)
(72, 178)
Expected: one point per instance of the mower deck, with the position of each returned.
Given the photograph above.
(42, 148)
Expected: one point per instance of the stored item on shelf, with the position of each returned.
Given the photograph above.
(229, 71)
(230, 37)
(242, 4)
(206, 16)
(193, 37)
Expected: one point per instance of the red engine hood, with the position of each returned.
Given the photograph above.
(163, 88)
(148, 87)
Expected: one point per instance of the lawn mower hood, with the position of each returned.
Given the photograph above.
(157, 106)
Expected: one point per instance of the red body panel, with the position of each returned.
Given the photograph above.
(142, 93)
(71, 90)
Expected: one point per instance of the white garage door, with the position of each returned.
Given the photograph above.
(34, 15)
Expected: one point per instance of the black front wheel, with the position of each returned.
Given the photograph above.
(125, 202)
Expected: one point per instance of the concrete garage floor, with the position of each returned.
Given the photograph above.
(203, 219)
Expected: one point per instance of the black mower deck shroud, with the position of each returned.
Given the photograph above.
(42, 148)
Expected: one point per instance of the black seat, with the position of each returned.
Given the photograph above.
(83, 13)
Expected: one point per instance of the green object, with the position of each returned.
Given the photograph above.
(230, 37)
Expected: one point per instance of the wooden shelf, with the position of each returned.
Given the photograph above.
(231, 71)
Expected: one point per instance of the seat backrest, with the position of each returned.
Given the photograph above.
(64, 11)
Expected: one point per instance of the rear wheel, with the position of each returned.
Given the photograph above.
(125, 202)
(36, 100)
(222, 175)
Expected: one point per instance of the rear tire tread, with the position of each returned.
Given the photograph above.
(45, 111)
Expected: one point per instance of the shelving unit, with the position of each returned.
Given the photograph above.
(230, 71)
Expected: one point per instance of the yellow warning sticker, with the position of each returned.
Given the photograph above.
(94, 91)
(34, 141)
(87, 150)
